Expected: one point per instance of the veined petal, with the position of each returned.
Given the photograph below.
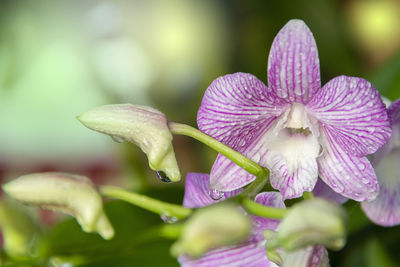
(394, 111)
(227, 176)
(235, 107)
(394, 140)
(252, 254)
(197, 191)
(352, 112)
(385, 209)
(260, 224)
(293, 64)
(350, 176)
(313, 256)
(322, 190)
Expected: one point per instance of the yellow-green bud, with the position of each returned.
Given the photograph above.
(18, 228)
(210, 227)
(144, 126)
(67, 193)
(311, 222)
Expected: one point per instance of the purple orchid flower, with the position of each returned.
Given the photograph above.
(293, 127)
(385, 209)
(251, 253)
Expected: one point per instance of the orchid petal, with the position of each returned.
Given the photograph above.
(260, 224)
(197, 191)
(385, 209)
(394, 111)
(394, 140)
(251, 254)
(352, 112)
(293, 64)
(234, 106)
(350, 176)
(322, 190)
(313, 256)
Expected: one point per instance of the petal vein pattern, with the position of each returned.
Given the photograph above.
(348, 175)
(293, 64)
(352, 112)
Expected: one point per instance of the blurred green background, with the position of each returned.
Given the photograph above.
(60, 58)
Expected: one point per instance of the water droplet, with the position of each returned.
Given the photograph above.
(168, 219)
(361, 166)
(215, 194)
(117, 139)
(365, 181)
(163, 177)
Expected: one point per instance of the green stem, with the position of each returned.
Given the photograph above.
(145, 202)
(239, 159)
(261, 210)
(257, 185)
(308, 195)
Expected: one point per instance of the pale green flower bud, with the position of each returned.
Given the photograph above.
(67, 193)
(311, 222)
(210, 227)
(20, 232)
(144, 126)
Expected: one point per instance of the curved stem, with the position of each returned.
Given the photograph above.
(308, 195)
(239, 159)
(263, 211)
(145, 202)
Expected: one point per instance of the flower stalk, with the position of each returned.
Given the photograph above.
(246, 163)
(263, 211)
(145, 202)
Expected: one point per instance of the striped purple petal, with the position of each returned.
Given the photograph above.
(293, 64)
(316, 256)
(197, 191)
(394, 111)
(235, 107)
(351, 111)
(236, 110)
(322, 190)
(260, 224)
(350, 176)
(385, 209)
(252, 254)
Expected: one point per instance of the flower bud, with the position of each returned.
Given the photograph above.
(18, 228)
(141, 125)
(67, 193)
(211, 227)
(312, 222)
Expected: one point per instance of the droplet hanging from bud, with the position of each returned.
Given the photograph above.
(117, 139)
(168, 219)
(163, 177)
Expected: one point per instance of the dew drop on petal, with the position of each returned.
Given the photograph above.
(365, 181)
(163, 177)
(168, 219)
(215, 194)
(117, 139)
(361, 166)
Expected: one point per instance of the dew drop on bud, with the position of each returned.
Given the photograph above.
(117, 139)
(216, 195)
(168, 219)
(163, 177)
